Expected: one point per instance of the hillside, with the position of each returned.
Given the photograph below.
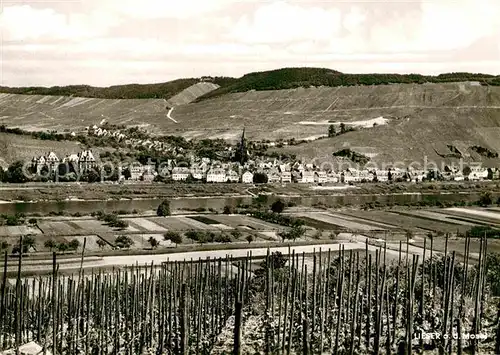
(15, 147)
(191, 93)
(412, 121)
(290, 78)
(131, 91)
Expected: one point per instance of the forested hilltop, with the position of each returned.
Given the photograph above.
(286, 78)
(290, 78)
(131, 91)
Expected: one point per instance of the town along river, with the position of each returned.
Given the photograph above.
(218, 202)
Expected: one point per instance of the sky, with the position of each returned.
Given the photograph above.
(111, 42)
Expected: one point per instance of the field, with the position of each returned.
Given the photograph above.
(410, 221)
(15, 231)
(15, 147)
(459, 114)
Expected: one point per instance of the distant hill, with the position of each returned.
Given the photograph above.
(131, 91)
(279, 79)
(291, 78)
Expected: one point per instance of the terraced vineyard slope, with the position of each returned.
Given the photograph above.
(429, 117)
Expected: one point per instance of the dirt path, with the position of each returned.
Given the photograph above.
(169, 115)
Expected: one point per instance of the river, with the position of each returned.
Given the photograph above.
(218, 203)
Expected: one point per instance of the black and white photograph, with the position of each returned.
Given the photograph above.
(246, 177)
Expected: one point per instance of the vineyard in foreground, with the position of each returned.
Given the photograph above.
(339, 302)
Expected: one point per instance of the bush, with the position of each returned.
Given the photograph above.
(123, 242)
(50, 244)
(174, 237)
(228, 210)
(120, 224)
(485, 199)
(260, 178)
(73, 244)
(153, 242)
(278, 206)
(163, 209)
(222, 238)
(236, 234)
(32, 221)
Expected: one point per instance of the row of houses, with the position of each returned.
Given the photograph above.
(274, 171)
(150, 144)
(83, 161)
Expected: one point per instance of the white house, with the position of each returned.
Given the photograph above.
(365, 175)
(332, 177)
(197, 172)
(136, 171)
(216, 175)
(383, 175)
(86, 160)
(52, 161)
(273, 176)
(247, 177)
(232, 176)
(307, 177)
(320, 177)
(286, 177)
(478, 173)
(351, 176)
(180, 173)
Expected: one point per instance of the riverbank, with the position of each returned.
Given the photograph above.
(39, 192)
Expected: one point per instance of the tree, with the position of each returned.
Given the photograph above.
(409, 234)
(4, 245)
(101, 243)
(62, 247)
(16, 173)
(91, 176)
(466, 171)
(236, 234)
(250, 238)
(73, 244)
(153, 242)
(334, 235)
(222, 238)
(126, 173)
(50, 244)
(28, 243)
(174, 237)
(228, 209)
(331, 131)
(342, 128)
(389, 175)
(120, 224)
(163, 209)
(278, 206)
(123, 242)
(259, 178)
(297, 232)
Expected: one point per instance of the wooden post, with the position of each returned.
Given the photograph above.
(184, 320)
(237, 328)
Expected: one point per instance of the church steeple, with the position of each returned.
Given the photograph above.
(242, 151)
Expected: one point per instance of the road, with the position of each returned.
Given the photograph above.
(235, 253)
(170, 117)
